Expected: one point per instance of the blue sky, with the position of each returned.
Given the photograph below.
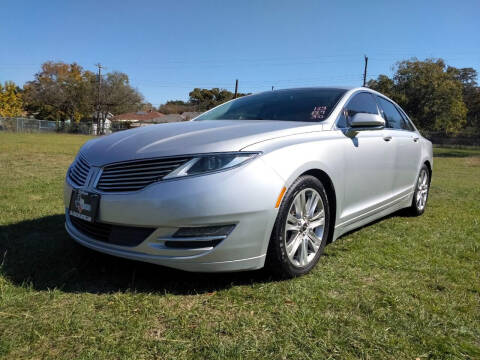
(169, 47)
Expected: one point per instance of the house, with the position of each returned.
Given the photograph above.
(189, 115)
(102, 115)
(144, 118)
(172, 118)
(139, 117)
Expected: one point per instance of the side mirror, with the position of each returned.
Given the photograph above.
(363, 121)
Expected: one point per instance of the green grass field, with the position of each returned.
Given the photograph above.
(402, 288)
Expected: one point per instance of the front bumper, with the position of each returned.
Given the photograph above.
(244, 196)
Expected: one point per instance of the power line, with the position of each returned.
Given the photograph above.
(190, 83)
(347, 56)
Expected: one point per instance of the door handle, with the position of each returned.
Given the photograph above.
(415, 139)
(387, 138)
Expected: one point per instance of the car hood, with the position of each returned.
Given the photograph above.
(190, 137)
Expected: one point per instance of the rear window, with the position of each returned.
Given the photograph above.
(288, 105)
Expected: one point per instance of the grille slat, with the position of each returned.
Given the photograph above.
(135, 180)
(129, 179)
(80, 175)
(121, 188)
(80, 178)
(83, 166)
(79, 171)
(145, 169)
(135, 175)
(146, 163)
(82, 162)
(76, 179)
(128, 183)
(139, 172)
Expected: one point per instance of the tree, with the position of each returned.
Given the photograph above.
(200, 100)
(66, 91)
(205, 99)
(383, 84)
(10, 100)
(429, 92)
(59, 91)
(117, 96)
(471, 93)
(176, 107)
(472, 100)
(146, 106)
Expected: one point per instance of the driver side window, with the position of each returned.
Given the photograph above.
(360, 103)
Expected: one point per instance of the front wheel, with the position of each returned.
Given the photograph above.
(301, 229)
(420, 196)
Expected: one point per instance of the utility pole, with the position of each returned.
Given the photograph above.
(97, 107)
(365, 70)
(236, 89)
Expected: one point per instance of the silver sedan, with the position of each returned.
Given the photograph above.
(266, 179)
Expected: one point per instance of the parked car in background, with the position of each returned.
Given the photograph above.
(269, 179)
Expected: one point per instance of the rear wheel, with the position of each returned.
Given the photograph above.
(301, 229)
(420, 196)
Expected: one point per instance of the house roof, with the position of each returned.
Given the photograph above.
(148, 116)
(171, 118)
(188, 115)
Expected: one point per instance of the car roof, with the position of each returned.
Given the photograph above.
(320, 88)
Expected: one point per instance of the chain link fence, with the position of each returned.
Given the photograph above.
(29, 125)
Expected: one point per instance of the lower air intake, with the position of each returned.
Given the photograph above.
(112, 234)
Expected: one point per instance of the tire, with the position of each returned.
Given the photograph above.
(420, 195)
(301, 229)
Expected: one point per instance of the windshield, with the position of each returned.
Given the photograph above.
(288, 105)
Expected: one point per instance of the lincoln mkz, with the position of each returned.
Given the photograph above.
(266, 179)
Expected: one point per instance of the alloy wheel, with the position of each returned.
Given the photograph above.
(304, 227)
(422, 190)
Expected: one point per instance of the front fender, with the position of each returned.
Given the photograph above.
(427, 152)
(292, 157)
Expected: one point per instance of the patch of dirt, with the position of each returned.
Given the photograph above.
(473, 161)
(156, 333)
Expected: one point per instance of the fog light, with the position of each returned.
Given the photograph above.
(198, 237)
(223, 230)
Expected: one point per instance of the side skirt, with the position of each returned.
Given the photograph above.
(373, 215)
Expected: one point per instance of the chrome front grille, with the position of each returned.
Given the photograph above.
(79, 171)
(135, 175)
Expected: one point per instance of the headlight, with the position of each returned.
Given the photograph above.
(210, 163)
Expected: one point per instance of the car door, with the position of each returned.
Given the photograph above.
(368, 162)
(408, 151)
